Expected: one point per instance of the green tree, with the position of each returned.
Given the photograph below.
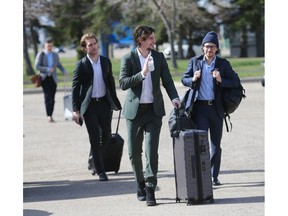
(102, 16)
(71, 21)
(32, 10)
(241, 16)
(250, 17)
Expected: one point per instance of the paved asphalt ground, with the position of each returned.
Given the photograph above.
(56, 180)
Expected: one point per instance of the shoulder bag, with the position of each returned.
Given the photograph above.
(36, 79)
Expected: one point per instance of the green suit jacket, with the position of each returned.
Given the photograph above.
(130, 79)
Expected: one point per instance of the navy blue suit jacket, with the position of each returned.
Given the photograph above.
(229, 79)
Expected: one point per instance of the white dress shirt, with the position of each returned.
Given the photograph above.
(147, 88)
(98, 88)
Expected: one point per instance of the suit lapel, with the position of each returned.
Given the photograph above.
(104, 68)
(88, 67)
(136, 59)
(154, 73)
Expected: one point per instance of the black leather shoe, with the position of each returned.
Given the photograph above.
(141, 193)
(150, 196)
(216, 182)
(103, 177)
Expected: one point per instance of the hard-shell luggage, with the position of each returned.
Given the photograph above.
(192, 166)
(68, 107)
(112, 154)
(68, 111)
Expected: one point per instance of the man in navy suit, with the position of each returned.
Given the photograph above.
(144, 107)
(208, 74)
(47, 62)
(94, 98)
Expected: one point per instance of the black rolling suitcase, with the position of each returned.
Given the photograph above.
(112, 154)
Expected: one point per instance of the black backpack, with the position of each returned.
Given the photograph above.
(231, 99)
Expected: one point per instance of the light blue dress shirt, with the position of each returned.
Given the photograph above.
(206, 91)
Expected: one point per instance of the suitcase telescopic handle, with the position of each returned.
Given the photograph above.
(118, 121)
(176, 133)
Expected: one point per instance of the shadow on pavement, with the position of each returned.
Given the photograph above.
(32, 212)
(239, 200)
(66, 190)
(240, 171)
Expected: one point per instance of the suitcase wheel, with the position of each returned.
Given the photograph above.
(177, 200)
(116, 171)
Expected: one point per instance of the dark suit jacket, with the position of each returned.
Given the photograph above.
(82, 84)
(131, 79)
(229, 78)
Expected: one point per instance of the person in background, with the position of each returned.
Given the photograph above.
(206, 75)
(144, 107)
(47, 62)
(94, 98)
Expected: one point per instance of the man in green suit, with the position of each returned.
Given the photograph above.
(144, 107)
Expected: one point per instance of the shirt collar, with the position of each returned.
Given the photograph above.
(139, 53)
(213, 61)
(98, 61)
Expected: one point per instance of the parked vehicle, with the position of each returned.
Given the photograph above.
(185, 47)
(59, 49)
(167, 51)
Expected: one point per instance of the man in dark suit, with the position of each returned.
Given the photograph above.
(47, 62)
(144, 107)
(208, 77)
(94, 98)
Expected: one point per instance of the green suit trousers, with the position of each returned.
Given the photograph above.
(145, 125)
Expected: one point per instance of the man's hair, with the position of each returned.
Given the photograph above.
(85, 37)
(142, 32)
(49, 41)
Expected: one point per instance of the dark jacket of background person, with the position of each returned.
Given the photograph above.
(42, 65)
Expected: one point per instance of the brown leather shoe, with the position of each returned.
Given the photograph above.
(50, 119)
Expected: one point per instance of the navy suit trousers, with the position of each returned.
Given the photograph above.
(207, 118)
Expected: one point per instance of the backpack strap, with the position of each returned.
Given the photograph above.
(218, 62)
(195, 87)
(225, 119)
(42, 57)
